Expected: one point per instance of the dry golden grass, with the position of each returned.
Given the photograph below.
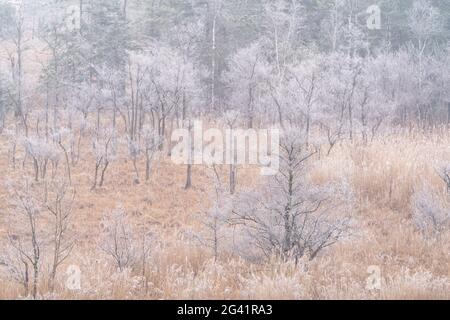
(383, 174)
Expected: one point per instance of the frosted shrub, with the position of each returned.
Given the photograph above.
(445, 176)
(429, 213)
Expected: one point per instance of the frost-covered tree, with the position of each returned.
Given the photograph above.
(375, 96)
(39, 231)
(336, 111)
(247, 81)
(424, 22)
(215, 233)
(304, 81)
(26, 237)
(147, 146)
(13, 30)
(60, 205)
(104, 147)
(42, 154)
(64, 139)
(290, 216)
(117, 238)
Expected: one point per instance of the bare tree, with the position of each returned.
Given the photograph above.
(15, 32)
(291, 217)
(80, 101)
(425, 23)
(247, 80)
(283, 25)
(152, 143)
(334, 25)
(215, 220)
(148, 145)
(32, 230)
(305, 79)
(374, 97)
(16, 266)
(26, 237)
(134, 151)
(42, 153)
(337, 98)
(65, 140)
(147, 239)
(117, 238)
(104, 147)
(59, 204)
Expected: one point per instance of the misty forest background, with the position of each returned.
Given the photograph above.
(219, 37)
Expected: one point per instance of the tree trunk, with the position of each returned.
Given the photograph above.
(102, 178)
(188, 177)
